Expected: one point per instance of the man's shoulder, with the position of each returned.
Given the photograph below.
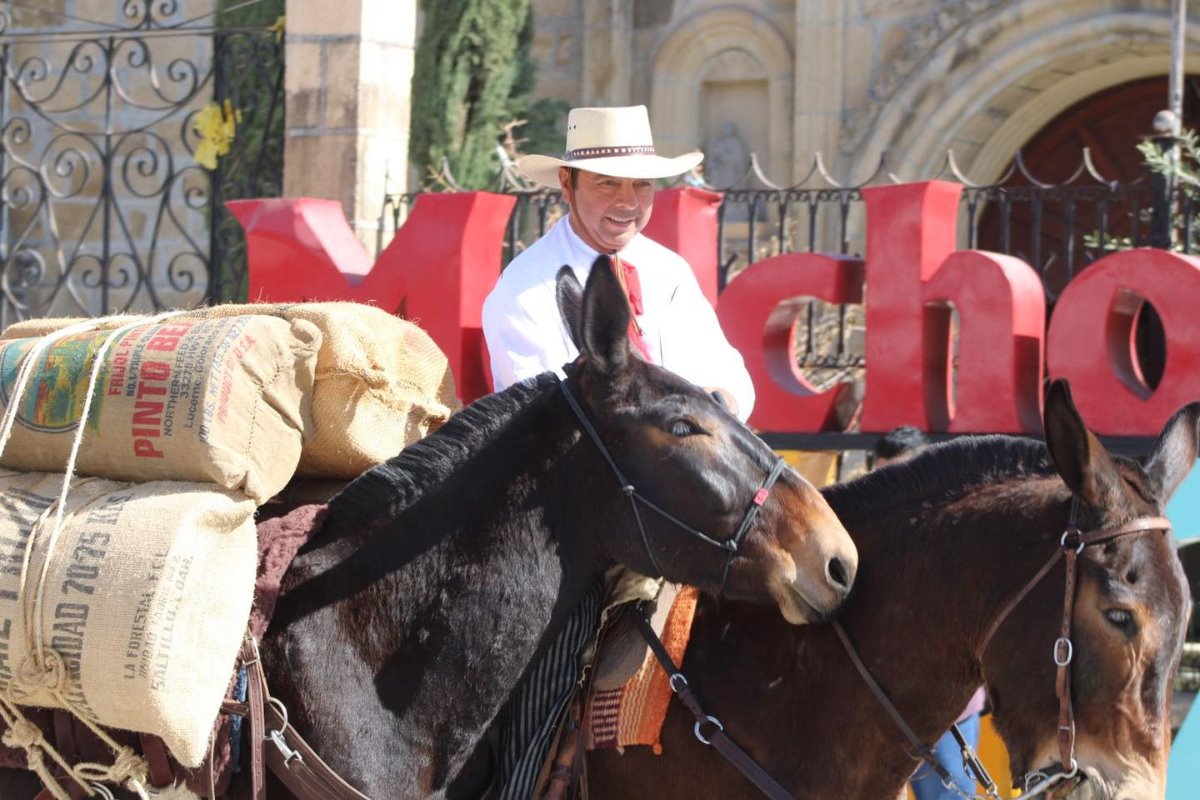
(644, 250)
(529, 268)
(528, 280)
(536, 264)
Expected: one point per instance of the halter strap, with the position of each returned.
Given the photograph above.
(1072, 541)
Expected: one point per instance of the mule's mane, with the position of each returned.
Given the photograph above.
(385, 490)
(940, 472)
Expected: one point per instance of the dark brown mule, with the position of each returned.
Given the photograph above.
(440, 577)
(947, 540)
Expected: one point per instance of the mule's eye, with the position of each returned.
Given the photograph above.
(1119, 618)
(683, 428)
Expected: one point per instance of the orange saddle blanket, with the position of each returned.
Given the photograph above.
(633, 714)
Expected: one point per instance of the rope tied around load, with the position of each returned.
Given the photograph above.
(44, 671)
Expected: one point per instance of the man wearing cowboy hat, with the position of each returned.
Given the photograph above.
(607, 178)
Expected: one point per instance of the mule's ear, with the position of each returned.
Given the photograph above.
(604, 323)
(1175, 451)
(1084, 464)
(569, 294)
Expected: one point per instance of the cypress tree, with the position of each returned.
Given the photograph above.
(468, 80)
(543, 128)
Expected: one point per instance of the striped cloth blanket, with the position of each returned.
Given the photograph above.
(634, 713)
(541, 699)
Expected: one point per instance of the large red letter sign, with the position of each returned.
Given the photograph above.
(913, 275)
(758, 312)
(911, 229)
(1091, 339)
(436, 272)
(685, 220)
(1002, 322)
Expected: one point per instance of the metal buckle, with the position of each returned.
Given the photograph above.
(1072, 539)
(253, 649)
(1058, 646)
(681, 685)
(710, 720)
(1058, 784)
(977, 770)
(277, 738)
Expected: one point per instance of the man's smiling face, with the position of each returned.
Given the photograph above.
(607, 212)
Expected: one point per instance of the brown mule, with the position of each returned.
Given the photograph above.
(948, 541)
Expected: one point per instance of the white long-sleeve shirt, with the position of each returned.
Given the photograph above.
(526, 336)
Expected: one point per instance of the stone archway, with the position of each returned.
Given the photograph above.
(740, 63)
(999, 78)
(1054, 236)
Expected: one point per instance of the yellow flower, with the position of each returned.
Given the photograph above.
(278, 27)
(216, 126)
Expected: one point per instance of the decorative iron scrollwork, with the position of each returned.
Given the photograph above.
(103, 206)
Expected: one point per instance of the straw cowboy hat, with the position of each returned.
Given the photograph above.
(609, 141)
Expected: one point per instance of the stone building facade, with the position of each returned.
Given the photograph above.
(851, 79)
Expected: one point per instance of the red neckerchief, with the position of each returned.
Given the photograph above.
(627, 274)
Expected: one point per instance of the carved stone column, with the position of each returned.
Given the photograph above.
(349, 73)
(821, 53)
(608, 53)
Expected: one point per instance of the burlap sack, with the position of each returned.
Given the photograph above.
(144, 603)
(225, 401)
(381, 382)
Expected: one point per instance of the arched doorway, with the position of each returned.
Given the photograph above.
(1110, 124)
(1060, 230)
(1050, 229)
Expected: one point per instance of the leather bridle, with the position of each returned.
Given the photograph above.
(635, 497)
(1066, 776)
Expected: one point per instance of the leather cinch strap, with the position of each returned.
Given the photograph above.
(285, 752)
(256, 689)
(299, 767)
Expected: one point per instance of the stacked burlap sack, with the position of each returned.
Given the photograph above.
(380, 382)
(125, 598)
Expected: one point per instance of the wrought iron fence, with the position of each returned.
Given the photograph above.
(118, 148)
(1057, 228)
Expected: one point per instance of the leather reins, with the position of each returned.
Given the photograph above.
(716, 736)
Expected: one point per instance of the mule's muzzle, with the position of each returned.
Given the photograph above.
(805, 597)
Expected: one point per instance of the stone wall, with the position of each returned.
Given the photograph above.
(350, 67)
(851, 79)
